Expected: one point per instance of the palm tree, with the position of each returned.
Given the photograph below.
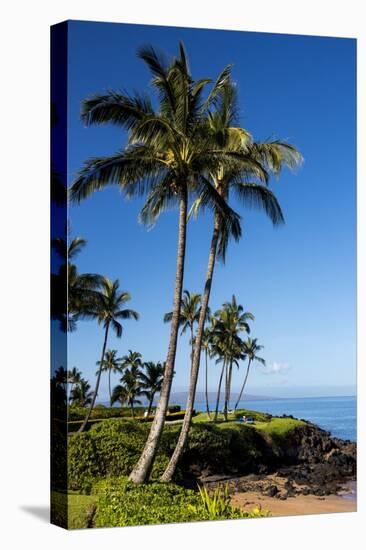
(81, 394)
(73, 378)
(250, 349)
(132, 361)
(127, 391)
(109, 310)
(228, 323)
(257, 159)
(233, 320)
(189, 314)
(206, 346)
(59, 391)
(78, 290)
(151, 380)
(168, 155)
(111, 363)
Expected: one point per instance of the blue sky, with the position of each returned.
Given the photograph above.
(299, 280)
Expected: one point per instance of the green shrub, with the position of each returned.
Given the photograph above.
(207, 444)
(174, 408)
(101, 412)
(217, 505)
(120, 503)
(110, 448)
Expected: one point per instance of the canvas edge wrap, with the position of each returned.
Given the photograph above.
(58, 177)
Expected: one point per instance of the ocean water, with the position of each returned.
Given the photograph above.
(334, 414)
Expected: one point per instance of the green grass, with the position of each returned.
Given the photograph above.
(79, 509)
(278, 428)
(233, 417)
(274, 427)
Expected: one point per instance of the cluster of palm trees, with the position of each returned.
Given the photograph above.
(72, 387)
(191, 152)
(222, 341)
(138, 378)
(93, 297)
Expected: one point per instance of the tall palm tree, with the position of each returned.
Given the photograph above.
(257, 160)
(109, 311)
(189, 314)
(250, 349)
(206, 346)
(168, 155)
(128, 390)
(81, 394)
(151, 380)
(111, 364)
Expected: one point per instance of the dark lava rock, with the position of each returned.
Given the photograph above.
(271, 491)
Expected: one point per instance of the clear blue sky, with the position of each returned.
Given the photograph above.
(299, 281)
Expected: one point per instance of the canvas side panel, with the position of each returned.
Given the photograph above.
(59, 512)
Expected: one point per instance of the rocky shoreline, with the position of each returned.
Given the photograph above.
(309, 462)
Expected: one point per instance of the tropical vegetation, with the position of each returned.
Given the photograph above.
(185, 149)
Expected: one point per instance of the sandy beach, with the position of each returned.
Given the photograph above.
(298, 505)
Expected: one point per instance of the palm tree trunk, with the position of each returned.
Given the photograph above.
(110, 390)
(218, 392)
(86, 420)
(226, 391)
(132, 410)
(206, 385)
(229, 384)
(183, 436)
(192, 345)
(243, 386)
(141, 471)
(150, 406)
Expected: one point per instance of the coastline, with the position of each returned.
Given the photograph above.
(273, 495)
(297, 505)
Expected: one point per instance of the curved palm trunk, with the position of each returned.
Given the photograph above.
(141, 471)
(206, 385)
(183, 436)
(243, 386)
(86, 420)
(219, 392)
(132, 410)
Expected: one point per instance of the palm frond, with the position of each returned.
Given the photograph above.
(117, 108)
(259, 197)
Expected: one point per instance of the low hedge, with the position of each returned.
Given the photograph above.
(101, 412)
(74, 425)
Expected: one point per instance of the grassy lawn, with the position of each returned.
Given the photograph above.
(234, 417)
(275, 428)
(278, 427)
(79, 507)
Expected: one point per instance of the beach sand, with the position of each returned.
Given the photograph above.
(293, 506)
